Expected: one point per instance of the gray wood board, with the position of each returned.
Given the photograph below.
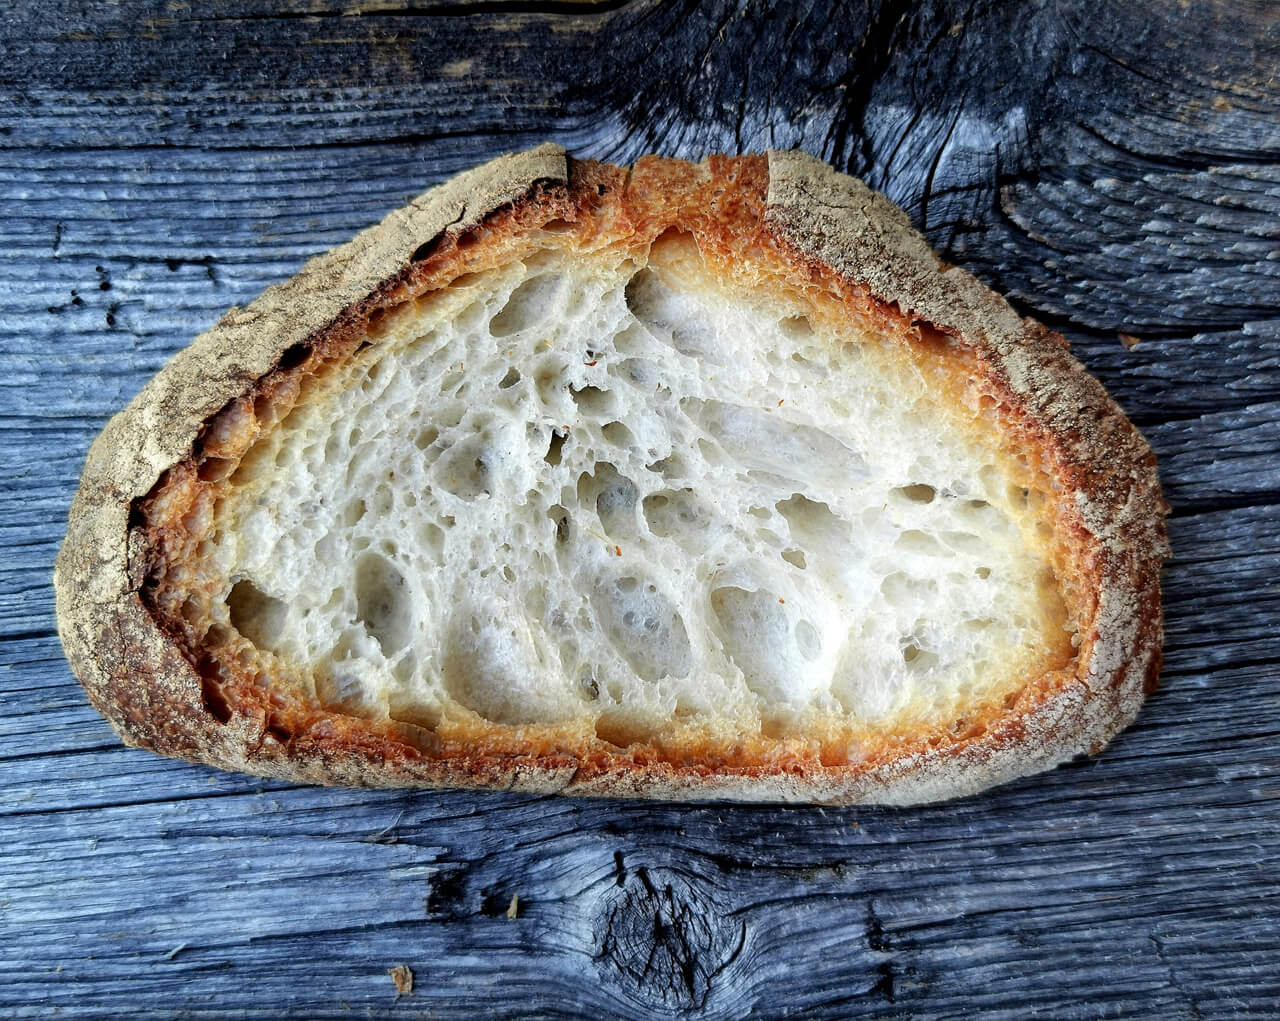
(1114, 169)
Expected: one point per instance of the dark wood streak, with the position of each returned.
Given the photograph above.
(1114, 168)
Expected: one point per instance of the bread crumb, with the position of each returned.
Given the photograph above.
(1129, 341)
(1023, 374)
(513, 909)
(402, 976)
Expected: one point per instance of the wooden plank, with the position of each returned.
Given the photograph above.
(1114, 170)
(1120, 878)
(1184, 377)
(1221, 458)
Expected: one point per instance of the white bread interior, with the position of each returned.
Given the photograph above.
(613, 495)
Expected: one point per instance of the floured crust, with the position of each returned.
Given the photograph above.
(833, 235)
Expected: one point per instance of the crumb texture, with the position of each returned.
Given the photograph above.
(609, 493)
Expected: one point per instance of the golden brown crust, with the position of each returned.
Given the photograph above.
(831, 234)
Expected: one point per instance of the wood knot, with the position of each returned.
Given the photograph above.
(663, 940)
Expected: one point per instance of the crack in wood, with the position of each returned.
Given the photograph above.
(665, 941)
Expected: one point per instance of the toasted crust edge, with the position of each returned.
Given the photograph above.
(149, 692)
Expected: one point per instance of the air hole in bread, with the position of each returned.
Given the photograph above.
(533, 302)
(215, 469)
(761, 641)
(193, 611)
(623, 730)
(812, 522)
(353, 511)
(797, 328)
(808, 640)
(560, 517)
(763, 439)
(678, 514)
(492, 665)
(643, 625)
(962, 542)
(617, 434)
(215, 702)
(293, 356)
(614, 498)
(639, 372)
(555, 445)
(405, 668)
(464, 470)
(424, 715)
(256, 615)
(673, 318)
(670, 311)
(592, 400)
(426, 437)
(917, 493)
(427, 249)
(382, 604)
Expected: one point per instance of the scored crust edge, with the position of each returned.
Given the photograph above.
(139, 680)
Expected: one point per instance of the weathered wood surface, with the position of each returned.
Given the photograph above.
(1114, 168)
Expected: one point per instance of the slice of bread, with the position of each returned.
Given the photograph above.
(681, 481)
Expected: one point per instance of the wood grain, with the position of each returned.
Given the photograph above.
(1115, 169)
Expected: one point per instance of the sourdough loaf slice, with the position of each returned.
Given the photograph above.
(682, 481)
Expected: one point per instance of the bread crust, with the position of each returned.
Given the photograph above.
(827, 227)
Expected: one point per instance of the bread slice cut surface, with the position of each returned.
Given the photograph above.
(678, 481)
